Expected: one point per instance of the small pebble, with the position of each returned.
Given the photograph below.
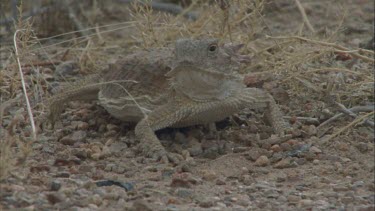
(209, 175)
(140, 204)
(220, 182)
(55, 185)
(316, 162)
(55, 197)
(262, 161)
(293, 199)
(305, 203)
(315, 150)
(206, 204)
(276, 148)
(286, 163)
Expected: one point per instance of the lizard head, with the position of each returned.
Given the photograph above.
(208, 54)
(203, 69)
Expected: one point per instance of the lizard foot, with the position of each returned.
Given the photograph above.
(158, 153)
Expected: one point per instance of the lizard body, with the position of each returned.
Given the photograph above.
(192, 83)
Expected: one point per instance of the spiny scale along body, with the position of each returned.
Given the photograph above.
(192, 83)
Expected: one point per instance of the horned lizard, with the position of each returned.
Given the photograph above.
(192, 83)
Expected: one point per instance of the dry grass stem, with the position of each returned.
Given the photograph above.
(351, 52)
(29, 111)
(356, 121)
(304, 16)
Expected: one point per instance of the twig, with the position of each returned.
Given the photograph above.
(309, 120)
(350, 124)
(166, 7)
(23, 84)
(334, 45)
(37, 64)
(304, 16)
(354, 109)
(348, 112)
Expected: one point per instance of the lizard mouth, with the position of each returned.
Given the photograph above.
(233, 51)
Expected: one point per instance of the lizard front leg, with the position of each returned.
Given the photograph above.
(257, 98)
(275, 117)
(161, 117)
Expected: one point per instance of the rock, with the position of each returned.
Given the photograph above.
(342, 146)
(120, 170)
(206, 203)
(85, 168)
(112, 127)
(358, 184)
(55, 185)
(339, 188)
(220, 181)
(195, 149)
(209, 175)
(370, 207)
(110, 167)
(293, 199)
(315, 150)
(67, 140)
(79, 136)
(309, 130)
(141, 205)
(63, 174)
(362, 147)
(117, 148)
(281, 177)
(240, 149)
(186, 154)
(254, 153)
(285, 147)
(262, 161)
(305, 203)
(316, 162)
(183, 193)
(55, 197)
(151, 168)
(180, 138)
(276, 148)
(246, 179)
(271, 193)
(167, 173)
(346, 199)
(80, 125)
(80, 153)
(66, 68)
(285, 163)
(309, 156)
(184, 180)
(301, 161)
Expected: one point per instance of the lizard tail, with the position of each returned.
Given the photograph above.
(86, 89)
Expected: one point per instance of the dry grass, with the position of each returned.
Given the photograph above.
(302, 65)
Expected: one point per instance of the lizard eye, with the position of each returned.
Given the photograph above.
(212, 48)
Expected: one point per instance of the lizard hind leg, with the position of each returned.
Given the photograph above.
(87, 90)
